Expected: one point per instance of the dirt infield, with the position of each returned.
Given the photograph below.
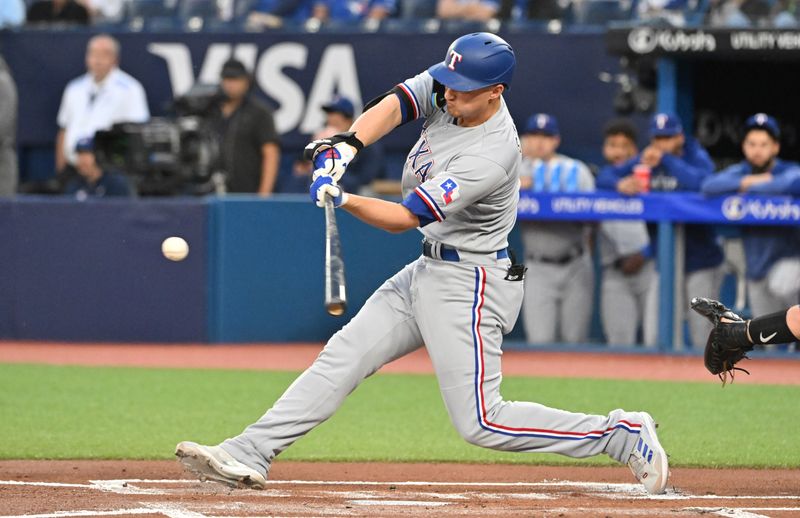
(133, 488)
(296, 357)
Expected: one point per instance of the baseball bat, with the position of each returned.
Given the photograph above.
(335, 288)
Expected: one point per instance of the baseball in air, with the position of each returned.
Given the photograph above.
(175, 248)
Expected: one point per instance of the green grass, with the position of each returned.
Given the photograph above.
(81, 412)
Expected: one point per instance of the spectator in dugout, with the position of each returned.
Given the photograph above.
(629, 287)
(102, 97)
(560, 278)
(772, 253)
(92, 180)
(57, 12)
(676, 162)
(249, 143)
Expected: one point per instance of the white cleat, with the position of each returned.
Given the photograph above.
(648, 460)
(214, 463)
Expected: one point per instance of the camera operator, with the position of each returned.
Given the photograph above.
(249, 143)
(93, 180)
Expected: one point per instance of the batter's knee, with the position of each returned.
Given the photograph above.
(472, 432)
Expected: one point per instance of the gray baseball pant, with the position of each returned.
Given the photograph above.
(460, 313)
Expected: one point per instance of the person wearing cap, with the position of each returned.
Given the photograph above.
(105, 95)
(629, 287)
(367, 165)
(772, 253)
(249, 143)
(92, 181)
(457, 298)
(560, 275)
(676, 162)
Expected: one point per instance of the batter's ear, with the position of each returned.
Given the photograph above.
(497, 91)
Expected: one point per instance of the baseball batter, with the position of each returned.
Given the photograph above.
(460, 183)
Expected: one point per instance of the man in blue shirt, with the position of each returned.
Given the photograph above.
(92, 180)
(772, 253)
(677, 163)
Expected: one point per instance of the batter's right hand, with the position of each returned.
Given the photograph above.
(325, 185)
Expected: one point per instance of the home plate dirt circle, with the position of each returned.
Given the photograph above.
(62, 489)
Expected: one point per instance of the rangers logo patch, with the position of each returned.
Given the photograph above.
(450, 188)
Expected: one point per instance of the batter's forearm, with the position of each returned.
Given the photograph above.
(386, 215)
(378, 120)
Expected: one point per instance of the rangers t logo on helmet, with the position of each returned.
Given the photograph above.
(455, 57)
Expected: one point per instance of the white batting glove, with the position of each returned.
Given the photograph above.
(333, 154)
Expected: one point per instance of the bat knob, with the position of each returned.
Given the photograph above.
(336, 309)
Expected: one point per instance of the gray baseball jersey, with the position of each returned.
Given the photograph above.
(462, 184)
(465, 179)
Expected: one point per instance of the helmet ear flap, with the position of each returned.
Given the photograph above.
(437, 96)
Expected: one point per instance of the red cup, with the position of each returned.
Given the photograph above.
(642, 174)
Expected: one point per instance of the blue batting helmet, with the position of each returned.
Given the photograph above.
(475, 61)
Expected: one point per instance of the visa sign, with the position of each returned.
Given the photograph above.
(336, 74)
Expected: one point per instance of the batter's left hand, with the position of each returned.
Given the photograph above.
(325, 185)
(333, 154)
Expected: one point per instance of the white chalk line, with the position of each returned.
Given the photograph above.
(399, 503)
(47, 484)
(63, 514)
(362, 498)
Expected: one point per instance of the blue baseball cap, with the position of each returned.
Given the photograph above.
(542, 124)
(764, 122)
(341, 105)
(665, 125)
(84, 144)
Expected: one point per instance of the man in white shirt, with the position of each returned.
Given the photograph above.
(98, 99)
